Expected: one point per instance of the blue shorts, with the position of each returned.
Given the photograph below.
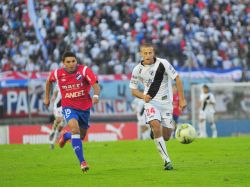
(82, 116)
(175, 118)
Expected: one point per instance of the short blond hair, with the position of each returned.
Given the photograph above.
(147, 45)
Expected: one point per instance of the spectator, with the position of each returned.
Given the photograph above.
(210, 34)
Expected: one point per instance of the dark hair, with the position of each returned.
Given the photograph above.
(205, 86)
(68, 54)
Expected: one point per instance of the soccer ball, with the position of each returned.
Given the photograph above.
(185, 133)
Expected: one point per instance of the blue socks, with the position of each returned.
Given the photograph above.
(67, 136)
(77, 146)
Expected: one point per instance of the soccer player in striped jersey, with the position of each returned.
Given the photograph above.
(207, 112)
(157, 74)
(74, 82)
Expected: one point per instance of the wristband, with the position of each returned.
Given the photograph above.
(96, 96)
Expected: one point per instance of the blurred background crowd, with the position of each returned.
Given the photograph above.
(105, 34)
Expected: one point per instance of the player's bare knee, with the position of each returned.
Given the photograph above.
(74, 128)
(157, 131)
(75, 131)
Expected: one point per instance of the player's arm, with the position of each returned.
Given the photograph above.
(47, 92)
(93, 81)
(134, 87)
(140, 95)
(48, 86)
(174, 75)
(182, 100)
(96, 89)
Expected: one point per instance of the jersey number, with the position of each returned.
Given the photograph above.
(67, 112)
(150, 111)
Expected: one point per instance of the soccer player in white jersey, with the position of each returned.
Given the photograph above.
(58, 122)
(207, 111)
(138, 106)
(157, 74)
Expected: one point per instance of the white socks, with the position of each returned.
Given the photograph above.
(203, 129)
(161, 146)
(214, 130)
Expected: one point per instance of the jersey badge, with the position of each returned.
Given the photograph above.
(78, 76)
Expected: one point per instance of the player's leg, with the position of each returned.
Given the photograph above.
(211, 121)
(202, 125)
(166, 132)
(153, 117)
(76, 142)
(57, 131)
(167, 129)
(57, 122)
(84, 125)
(145, 132)
(175, 123)
(159, 140)
(54, 127)
(144, 129)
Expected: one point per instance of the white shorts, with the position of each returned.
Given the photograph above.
(58, 112)
(153, 112)
(209, 116)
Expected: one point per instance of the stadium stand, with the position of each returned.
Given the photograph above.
(105, 34)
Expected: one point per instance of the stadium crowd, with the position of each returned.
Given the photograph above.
(106, 34)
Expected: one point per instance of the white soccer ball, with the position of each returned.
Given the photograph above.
(185, 133)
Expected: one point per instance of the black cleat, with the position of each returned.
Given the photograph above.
(168, 166)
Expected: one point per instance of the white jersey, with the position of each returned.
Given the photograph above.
(207, 102)
(157, 80)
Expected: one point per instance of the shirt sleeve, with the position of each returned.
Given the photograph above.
(169, 69)
(52, 77)
(134, 79)
(90, 76)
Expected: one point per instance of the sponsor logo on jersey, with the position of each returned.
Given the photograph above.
(149, 82)
(72, 86)
(78, 76)
(74, 94)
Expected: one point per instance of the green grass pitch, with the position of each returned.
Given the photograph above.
(205, 162)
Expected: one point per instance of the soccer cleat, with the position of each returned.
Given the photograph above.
(168, 166)
(84, 167)
(61, 140)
